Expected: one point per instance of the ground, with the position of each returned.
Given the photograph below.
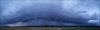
(50, 28)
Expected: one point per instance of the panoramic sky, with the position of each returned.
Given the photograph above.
(49, 12)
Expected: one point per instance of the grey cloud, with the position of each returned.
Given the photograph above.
(53, 12)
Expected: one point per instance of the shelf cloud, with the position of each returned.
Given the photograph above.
(49, 12)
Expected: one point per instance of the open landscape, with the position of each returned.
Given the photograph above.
(50, 28)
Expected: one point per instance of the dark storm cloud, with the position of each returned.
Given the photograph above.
(52, 12)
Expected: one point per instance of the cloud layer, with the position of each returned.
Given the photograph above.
(49, 12)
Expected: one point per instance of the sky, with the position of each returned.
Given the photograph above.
(49, 12)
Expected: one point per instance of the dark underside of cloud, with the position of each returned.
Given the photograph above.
(49, 13)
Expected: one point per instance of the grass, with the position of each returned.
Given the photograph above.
(50, 28)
